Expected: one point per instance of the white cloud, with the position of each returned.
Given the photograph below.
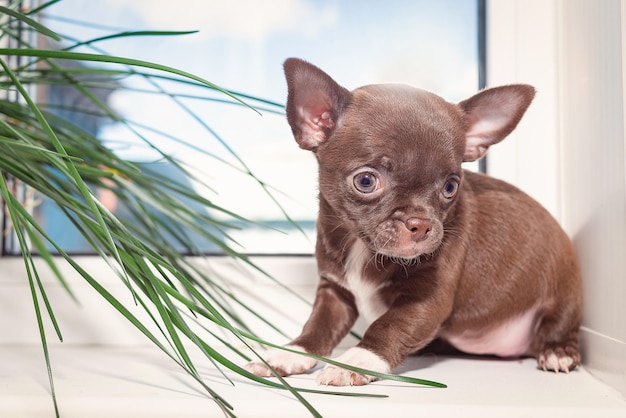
(438, 68)
(243, 19)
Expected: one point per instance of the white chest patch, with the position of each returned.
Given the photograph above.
(368, 302)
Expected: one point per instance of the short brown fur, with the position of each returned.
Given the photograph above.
(455, 254)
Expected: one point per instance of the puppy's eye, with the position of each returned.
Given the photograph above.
(450, 188)
(366, 182)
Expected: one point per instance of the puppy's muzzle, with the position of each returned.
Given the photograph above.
(419, 228)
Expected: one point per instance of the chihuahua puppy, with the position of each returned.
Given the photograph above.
(421, 248)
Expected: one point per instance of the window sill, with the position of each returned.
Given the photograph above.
(136, 382)
(105, 368)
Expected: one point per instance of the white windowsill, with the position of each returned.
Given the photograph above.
(105, 369)
(141, 382)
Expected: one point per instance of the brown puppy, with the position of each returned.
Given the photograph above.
(420, 247)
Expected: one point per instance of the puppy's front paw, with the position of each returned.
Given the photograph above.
(284, 362)
(335, 376)
(358, 357)
(559, 359)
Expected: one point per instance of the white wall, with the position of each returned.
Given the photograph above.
(570, 149)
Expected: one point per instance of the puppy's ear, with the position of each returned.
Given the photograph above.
(491, 115)
(314, 103)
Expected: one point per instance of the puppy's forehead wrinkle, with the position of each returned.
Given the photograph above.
(412, 163)
(414, 129)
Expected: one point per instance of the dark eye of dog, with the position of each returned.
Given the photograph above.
(365, 182)
(450, 189)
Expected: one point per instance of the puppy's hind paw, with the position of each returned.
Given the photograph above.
(284, 362)
(559, 359)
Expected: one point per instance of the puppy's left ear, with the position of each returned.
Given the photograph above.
(491, 115)
(315, 103)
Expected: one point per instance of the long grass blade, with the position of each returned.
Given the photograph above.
(81, 56)
(30, 22)
(128, 34)
(43, 6)
(15, 218)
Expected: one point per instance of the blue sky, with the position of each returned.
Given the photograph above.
(241, 46)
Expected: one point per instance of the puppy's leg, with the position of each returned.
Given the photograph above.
(334, 313)
(389, 340)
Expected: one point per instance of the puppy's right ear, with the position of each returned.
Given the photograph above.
(315, 103)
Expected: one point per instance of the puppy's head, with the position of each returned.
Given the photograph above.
(390, 155)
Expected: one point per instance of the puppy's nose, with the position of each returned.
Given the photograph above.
(418, 227)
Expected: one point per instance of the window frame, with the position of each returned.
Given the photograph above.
(7, 250)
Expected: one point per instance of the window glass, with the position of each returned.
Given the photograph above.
(240, 45)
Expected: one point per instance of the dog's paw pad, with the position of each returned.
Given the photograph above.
(335, 376)
(284, 362)
(559, 359)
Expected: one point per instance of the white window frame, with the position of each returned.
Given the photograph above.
(542, 42)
